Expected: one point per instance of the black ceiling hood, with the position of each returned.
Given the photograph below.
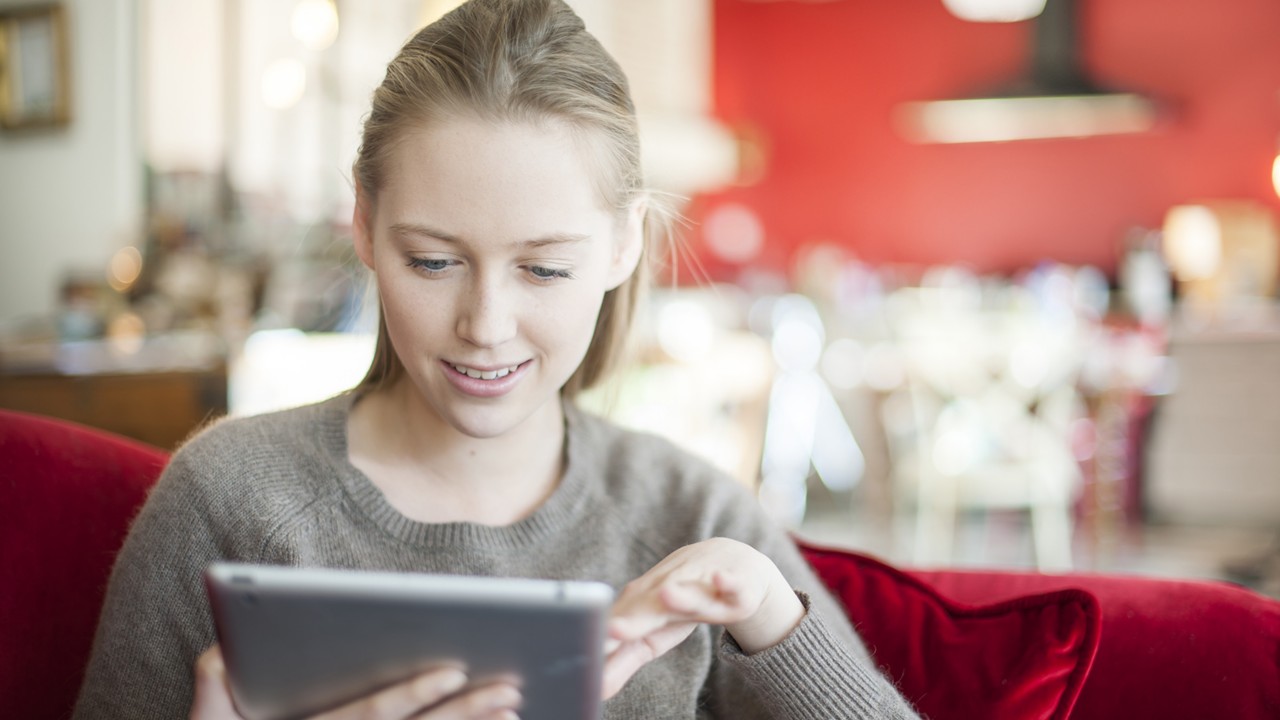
(1056, 67)
(1055, 98)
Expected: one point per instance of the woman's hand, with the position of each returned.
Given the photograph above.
(717, 581)
(439, 694)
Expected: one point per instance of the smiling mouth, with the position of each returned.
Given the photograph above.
(485, 374)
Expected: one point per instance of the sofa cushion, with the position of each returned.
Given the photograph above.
(1170, 648)
(66, 496)
(1021, 658)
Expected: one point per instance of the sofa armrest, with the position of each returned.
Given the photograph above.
(1168, 648)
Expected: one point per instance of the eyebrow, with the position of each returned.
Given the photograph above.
(418, 230)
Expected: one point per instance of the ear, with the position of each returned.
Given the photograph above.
(628, 244)
(362, 227)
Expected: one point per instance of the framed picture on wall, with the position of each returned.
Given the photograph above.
(34, 74)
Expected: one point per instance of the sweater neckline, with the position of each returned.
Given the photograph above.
(556, 514)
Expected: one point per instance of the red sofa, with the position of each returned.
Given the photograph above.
(997, 645)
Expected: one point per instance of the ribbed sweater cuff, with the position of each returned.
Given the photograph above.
(812, 675)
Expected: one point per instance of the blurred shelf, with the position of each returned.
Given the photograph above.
(160, 392)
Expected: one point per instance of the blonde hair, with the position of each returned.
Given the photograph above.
(522, 60)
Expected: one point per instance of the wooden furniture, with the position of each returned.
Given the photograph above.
(157, 389)
(158, 408)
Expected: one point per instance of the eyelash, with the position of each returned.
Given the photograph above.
(435, 266)
(550, 273)
(426, 264)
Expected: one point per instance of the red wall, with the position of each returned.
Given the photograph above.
(819, 80)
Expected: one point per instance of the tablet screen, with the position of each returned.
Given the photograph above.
(299, 641)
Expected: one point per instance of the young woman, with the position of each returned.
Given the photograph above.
(500, 207)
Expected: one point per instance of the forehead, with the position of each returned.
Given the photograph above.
(500, 180)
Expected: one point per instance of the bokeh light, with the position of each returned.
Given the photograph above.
(126, 333)
(124, 268)
(734, 233)
(315, 23)
(686, 330)
(283, 83)
(1193, 242)
(842, 364)
(995, 10)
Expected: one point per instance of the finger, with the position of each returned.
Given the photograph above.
(498, 700)
(677, 602)
(633, 627)
(629, 657)
(212, 697)
(703, 604)
(686, 599)
(621, 665)
(655, 605)
(403, 699)
(728, 585)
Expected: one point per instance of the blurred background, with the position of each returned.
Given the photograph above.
(964, 282)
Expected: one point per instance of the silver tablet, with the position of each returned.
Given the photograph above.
(298, 641)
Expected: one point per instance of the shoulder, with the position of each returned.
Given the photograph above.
(633, 454)
(274, 456)
(284, 434)
(644, 474)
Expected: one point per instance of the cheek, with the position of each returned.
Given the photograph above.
(570, 320)
(405, 303)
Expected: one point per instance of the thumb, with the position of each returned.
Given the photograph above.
(213, 697)
(631, 655)
(621, 665)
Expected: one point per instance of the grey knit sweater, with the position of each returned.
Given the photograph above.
(280, 489)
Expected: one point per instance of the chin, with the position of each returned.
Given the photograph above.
(482, 428)
(486, 422)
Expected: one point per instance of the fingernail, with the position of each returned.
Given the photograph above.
(451, 681)
(506, 697)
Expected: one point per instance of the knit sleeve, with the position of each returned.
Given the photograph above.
(818, 672)
(155, 620)
(811, 674)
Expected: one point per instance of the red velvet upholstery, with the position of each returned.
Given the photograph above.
(66, 496)
(1170, 648)
(1164, 649)
(1017, 659)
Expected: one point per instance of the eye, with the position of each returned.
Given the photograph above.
(547, 274)
(430, 265)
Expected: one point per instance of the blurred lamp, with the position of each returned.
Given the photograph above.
(1275, 174)
(1055, 97)
(1000, 119)
(995, 10)
(315, 23)
(283, 83)
(1193, 242)
(1222, 253)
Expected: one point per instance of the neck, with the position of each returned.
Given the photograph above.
(431, 472)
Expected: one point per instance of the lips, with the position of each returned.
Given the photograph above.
(484, 382)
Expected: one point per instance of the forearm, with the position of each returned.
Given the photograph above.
(812, 674)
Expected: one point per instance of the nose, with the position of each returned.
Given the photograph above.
(488, 316)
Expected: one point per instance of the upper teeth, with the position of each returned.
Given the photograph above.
(487, 374)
